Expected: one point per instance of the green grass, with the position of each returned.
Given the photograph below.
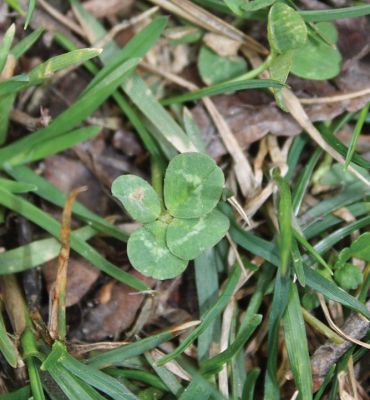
(291, 255)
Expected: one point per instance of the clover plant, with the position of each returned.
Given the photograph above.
(184, 226)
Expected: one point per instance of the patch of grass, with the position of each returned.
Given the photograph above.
(250, 286)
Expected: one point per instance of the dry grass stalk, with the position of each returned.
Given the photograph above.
(206, 20)
(58, 293)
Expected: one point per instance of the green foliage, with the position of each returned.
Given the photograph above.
(188, 238)
(286, 28)
(148, 252)
(190, 224)
(318, 58)
(192, 185)
(348, 276)
(214, 68)
(138, 197)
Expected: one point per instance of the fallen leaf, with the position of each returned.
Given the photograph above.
(116, 313)
(81, 276)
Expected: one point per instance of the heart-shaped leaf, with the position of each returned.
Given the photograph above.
(317, 59)
(286, 28)
(149, 254)
(193, 185)
(188, 238)
(138, 197)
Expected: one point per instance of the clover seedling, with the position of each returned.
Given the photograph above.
(189, 222)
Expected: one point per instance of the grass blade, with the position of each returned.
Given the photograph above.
(297, 346)
(215, 364)
(221, 88)
(356, 134)
(52, 146)
(206, 280)
(36, 253)
(335, 13)
(25, 44)
(208, 318)
(74, 115)
(118, 356)
(23, 393)
(5, 46)
(48, 223)
(92, 376)
(7, 347)
(49, 192)
(17, 187)
(31, 8)
(285, 237)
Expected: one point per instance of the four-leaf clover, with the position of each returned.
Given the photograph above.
(190, 222)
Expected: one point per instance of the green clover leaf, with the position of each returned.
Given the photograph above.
(188, 238)
(149, 254)
(193, 185)
(138, 197)
(348, 276)
(286, 28)
(317, 59)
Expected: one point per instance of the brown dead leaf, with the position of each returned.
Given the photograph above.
(116, 314)
(222, 45)
(67, 173)
(81, 276)
(107, 8)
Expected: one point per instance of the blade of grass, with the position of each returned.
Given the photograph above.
(279, 304)
(7, 347)
(138, 91)
(350, 193)
(31, 8)
(43, 71)
(98, 379)
(342, 149)
(131, 114)
(332, 292)
(356, 134)
(221, 88)
(285, 237)
(6, 45)
(143, 376)
(214, 365)
(327, 222)
(119, 355)
(49, 192)
(17, 187)
(250, 384)
(30, 354)
(20, 394)
(208, 317)
(25, 44)
(57, 326)
(297, 346)
(167, 377)
(36, 253)
(335, 13)
(304, 180)
(45, 221)
(74, 115)
(298, 263)
(329, 376)
(311, 250)
(206, 280)
(52, 146)
(6, 106)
